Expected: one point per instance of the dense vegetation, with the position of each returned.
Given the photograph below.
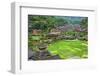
(57, 37)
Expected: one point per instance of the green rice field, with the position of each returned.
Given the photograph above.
(69, 49)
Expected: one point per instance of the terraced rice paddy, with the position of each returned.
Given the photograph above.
(69, 49)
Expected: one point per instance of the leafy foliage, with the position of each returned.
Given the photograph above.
(44, 23)
(84, 23)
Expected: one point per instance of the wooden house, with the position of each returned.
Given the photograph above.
(36, 32)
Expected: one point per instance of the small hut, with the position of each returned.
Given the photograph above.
(54, 33)
(36, 32)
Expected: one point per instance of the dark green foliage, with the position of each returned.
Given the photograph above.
(44, 23)
(84, 23)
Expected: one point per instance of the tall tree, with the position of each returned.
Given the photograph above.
(84, 23)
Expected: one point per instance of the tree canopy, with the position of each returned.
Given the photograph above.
(45, 22)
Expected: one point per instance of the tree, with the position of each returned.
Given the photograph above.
(84, 28)
(45, 23)
(84, 23)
